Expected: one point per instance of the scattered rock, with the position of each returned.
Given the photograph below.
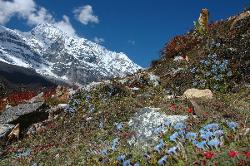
(14, 133)
(5, 129)
(154, 80)
(196, 93)
(144, 124)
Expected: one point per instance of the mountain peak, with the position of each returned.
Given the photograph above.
(53, 53)
(48, 31)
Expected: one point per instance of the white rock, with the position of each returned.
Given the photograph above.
(4, 129)
(178, 58)
(144, 123)
(153, 79)
(197, 93)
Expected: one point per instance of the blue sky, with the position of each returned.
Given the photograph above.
(139, 28)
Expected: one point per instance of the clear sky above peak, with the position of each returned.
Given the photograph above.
(139, 28)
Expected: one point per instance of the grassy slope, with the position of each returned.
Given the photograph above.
(76, 139)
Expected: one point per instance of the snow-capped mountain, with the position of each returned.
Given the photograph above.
(53, 53)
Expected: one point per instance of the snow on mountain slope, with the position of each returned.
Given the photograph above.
(53, 53)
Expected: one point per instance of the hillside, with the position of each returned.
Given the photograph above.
(152, 117)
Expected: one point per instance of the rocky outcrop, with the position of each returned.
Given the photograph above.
(13, 113)
(147, 122)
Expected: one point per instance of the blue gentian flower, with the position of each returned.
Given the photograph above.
(126, 163)
(119, 126)
(167, 123)
(182, 133)
(136, 164)
(162, 160)
(174, 136)
(114, 144)
(200, 145)
(225, 61)
(218, 133)
(232, 125)
(159, 130)
(193, 70)
(91, 109)
(121, 158)
(229, 74)
(159, 147)
(191, 136)
(25, 153)
(172, 150)
(206, 135)
(218, 77)
(104, 152)
(179, 126)
(211, 127)
(214, 142)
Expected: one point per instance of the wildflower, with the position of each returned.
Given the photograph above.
(174, 136)
(119, 126)
(147, 156)
(190, 110)
(193, 70)
(195, 83)
(104, 152)
(232, 153)
(25, 153)
(214, 142)
(232, 125)
(212, 126)
(181, 133)
(207, 74)
(114, 143)
(173, 107)
(70, 110)
(225, 61)
(218, 133)
(191, 136)
(91, 109)
(218, 77)
(167, 123)
(162, 160)
(206, 134)
(136, 164)
(229, 74)
(216, 87)
(126, 163)
(200, 145)
(217, 62)
(121, 158)
(172, 150)
(159, 147)
(247, 154)
(209, 155)
(179, 126)
(159, 130)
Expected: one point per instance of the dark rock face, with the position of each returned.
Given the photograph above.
(13, 113)
(15, 78)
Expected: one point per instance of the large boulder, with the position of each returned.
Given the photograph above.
(197, 93)
(145, 123)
